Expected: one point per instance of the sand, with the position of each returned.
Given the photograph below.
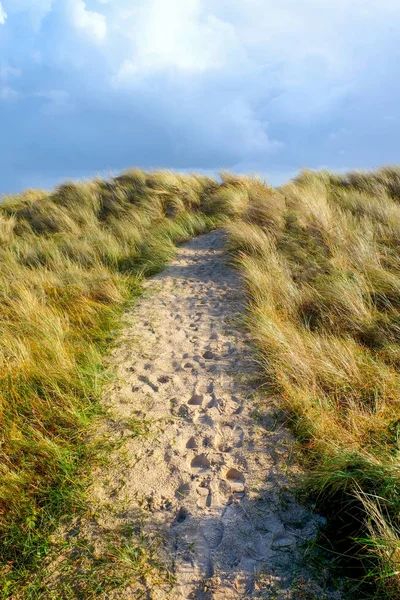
(212, 466)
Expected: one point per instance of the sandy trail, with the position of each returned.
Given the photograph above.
(212, 478)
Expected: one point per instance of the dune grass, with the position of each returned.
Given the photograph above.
(321, 261)
(70, 261)
(320, 258)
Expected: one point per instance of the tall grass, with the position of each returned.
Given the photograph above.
(321, 260)
(320, 257)
(70, 260)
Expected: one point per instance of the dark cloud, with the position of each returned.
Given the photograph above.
(90, 86)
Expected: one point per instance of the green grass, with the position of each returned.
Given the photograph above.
(70, 262)
(321, 260)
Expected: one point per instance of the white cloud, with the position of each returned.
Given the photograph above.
(3, 15)
(91, 23)
(177, 35)
(206, 83)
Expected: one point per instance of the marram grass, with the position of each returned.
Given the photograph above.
(320, 258)
(70, 260)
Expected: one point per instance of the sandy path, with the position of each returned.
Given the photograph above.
(212, 477)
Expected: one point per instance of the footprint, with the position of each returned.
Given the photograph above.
(213, 531)
(203, 561)
(196, 400)
(203, 489)
(192, 444)
(236, 480)
(183, 491)
(224, 489)
(245, 580)
(209, 355)
(282, 539)
(229, 437)
(228, 406)
(205, 498)
(182, 515)
(183, 411)
(203, 420)
(207, 442)
(213, 403)
(147, 381)
(200, 464)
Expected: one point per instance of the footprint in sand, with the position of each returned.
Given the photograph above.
(195, 461)
(213, 531)
(196, 400)
(210, 355)
(182, 515)
(147, 381)
(228, 406)
(203, 420)
(192, 444)
(200, 464)
(245, 580)
(205, 499)
(228, 438)
(210, 496)
(236, 480)
(213, 403)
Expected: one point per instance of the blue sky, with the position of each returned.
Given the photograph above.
(95, 86)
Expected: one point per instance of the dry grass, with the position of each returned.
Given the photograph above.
(69, 261)
(321, 260)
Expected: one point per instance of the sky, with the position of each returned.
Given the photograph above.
(95, 86)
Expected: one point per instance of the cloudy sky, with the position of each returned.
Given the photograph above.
(95, 86)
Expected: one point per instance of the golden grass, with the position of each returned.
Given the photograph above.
(321, 262)
(69, 261)
(320, 257)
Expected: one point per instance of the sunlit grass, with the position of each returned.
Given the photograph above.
(321, 260)
(70, 261)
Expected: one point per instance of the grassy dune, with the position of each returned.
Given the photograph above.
(70, 260)
(321, 260)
